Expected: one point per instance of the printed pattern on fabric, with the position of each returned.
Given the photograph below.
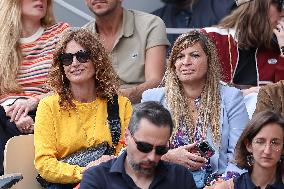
(182, 138)
(37, 58)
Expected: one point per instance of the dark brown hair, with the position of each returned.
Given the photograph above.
(106, 82)
(251, 20)
(258, 121)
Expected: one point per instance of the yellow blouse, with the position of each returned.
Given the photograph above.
(59, 133)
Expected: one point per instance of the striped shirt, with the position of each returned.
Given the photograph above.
(37, 56)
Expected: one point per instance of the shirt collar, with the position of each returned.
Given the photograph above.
(248, 181)
(118, 165)
(127, 24)
(33, 37)
(249, 184)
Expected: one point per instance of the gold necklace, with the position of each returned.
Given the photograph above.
(82, 125)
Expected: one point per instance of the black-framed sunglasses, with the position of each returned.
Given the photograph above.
(67, 58)
(146, 147)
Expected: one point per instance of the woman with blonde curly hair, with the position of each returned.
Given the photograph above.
(28, 37)
(205, 112)
(85, 113)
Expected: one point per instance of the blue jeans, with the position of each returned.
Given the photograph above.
(61, 186)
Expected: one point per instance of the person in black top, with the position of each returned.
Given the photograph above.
(140, 166)
(250, 44)
(259, 150)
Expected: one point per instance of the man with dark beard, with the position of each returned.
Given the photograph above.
(140, 166)
(193, 13)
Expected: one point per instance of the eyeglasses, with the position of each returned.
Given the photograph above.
(261, 143)
(145, 147)
(67, 58)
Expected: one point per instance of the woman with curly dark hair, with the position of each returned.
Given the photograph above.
(84, 113)
(27, 41)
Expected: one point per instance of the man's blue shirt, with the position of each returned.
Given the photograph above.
(111, 174)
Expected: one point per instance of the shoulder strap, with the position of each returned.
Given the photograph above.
(114, 121)
(113, 108)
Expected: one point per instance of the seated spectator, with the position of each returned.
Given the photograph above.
(140, 166)
(271, 97)
(190, 13)
(259, 151)
(85, 115)
(27, 41)
(137, 44)
(203, 109)
(250, 55)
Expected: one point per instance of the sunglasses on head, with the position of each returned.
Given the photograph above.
(67, 58)
(145, 147)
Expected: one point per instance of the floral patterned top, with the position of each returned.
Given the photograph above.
(182, 137)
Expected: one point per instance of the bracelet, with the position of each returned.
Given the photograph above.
(282, 50)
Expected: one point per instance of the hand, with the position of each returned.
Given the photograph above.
(25, 124)
(183, 156)
(131, 94)
(279, 32)
(21, 108)
(6, 108)
(250, 90)
(219, 184)
(77, 186)
(102, 159)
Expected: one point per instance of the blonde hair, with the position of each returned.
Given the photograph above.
(106, 80)
(10, 53)
(253, 27)
(210, 96)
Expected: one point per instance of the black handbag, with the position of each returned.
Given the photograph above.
(85, 156)
(81, 158)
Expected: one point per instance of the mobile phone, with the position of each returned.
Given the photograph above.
(205, 149)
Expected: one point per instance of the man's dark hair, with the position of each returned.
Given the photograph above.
(153, 112)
